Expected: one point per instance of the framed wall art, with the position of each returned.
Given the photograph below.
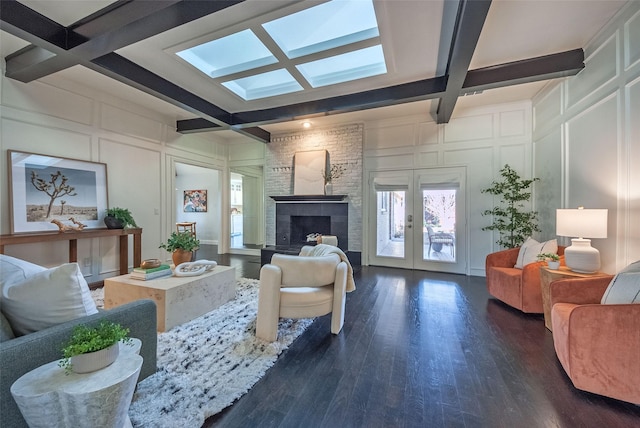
(308, 169)
(44, 188)
(195, 201)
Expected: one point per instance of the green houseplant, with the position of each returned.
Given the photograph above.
(510, 218)
(181, 245)
(552, 259)
(119, 218)
(99, 342)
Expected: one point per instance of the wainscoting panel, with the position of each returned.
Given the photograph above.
(601, 68)
(42, 98)
(469, 128)
(632, 41)
(128, 123)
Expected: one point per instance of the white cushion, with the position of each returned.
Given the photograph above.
(531, 248)
(47, 298)
(15, 270)
(624, 287)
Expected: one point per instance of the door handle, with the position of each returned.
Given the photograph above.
(409, 218)
(409, 226)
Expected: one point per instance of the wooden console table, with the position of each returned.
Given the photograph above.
(73, 236)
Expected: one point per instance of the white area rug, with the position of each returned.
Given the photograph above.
(208, 363)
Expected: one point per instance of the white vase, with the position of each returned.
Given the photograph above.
(92, 361)
(328, 189)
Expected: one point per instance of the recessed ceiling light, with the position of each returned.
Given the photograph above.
(306, 124)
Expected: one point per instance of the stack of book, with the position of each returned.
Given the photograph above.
(152, 273)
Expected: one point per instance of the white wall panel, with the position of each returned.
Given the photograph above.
(137, 188)
(548, 191)
(517, 156)
(548, 109)
(512, 123)
(469, 128)
(600, 68)
(46, 99)
(632, 41)
(630, 199)
(592, 165)
(390, 136)
(428, 133)
(128, 123)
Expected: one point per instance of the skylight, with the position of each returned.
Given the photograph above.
(343, 68)
(323, 27)
(264, 85)
(222, 57)
(248, 64)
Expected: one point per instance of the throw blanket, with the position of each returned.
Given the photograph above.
(324, 249)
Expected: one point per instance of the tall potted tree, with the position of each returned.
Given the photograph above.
(510, 218)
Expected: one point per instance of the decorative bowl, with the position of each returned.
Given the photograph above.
(150, 263)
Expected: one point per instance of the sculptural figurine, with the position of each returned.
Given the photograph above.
(65, 228)
(194, 268)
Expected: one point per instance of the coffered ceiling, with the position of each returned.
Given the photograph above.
(437, 52)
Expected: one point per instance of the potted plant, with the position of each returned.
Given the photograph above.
(510, 219)
(92, 348)
(181, 245)
(119, 218)
(553, 260)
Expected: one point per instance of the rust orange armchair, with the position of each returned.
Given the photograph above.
(598, 345)
(519, 288)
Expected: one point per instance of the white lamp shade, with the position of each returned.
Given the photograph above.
(581, 223)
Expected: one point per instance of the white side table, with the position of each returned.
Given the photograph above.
(48, 397)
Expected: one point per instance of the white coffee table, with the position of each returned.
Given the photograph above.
(178, 299)
(49, 397)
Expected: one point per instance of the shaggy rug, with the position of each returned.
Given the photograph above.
(208, 363)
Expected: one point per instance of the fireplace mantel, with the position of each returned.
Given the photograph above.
(309, 198)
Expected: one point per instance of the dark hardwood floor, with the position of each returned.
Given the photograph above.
(420, 349)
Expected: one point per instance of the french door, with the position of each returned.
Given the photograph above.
(418, 219)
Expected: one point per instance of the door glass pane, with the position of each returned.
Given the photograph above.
(237, 210)
(439, 224)
(390, 211)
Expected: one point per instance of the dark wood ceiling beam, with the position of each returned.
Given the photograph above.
(29, 25)
(127, 72)
(195, 125)
(545, 67)
(398, 94)
(471, 17)
(255, 133)
(118, 25)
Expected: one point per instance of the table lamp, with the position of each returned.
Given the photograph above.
(580, 224)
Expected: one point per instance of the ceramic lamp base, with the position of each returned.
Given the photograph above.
(581, 256)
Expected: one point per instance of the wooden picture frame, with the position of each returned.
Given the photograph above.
(45, 188)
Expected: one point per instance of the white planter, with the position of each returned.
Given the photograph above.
(92, 361)
(553, 265)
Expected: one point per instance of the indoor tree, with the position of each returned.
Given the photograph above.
(510, 218)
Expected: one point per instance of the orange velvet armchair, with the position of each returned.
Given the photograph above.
(519, 288)
(597, 345)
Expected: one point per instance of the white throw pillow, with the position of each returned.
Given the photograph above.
(624, 287)
(15, 270)
(531, 248)
(47, 298)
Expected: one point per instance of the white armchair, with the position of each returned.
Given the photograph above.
(301, 287)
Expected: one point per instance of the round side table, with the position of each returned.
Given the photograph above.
(47, 396)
